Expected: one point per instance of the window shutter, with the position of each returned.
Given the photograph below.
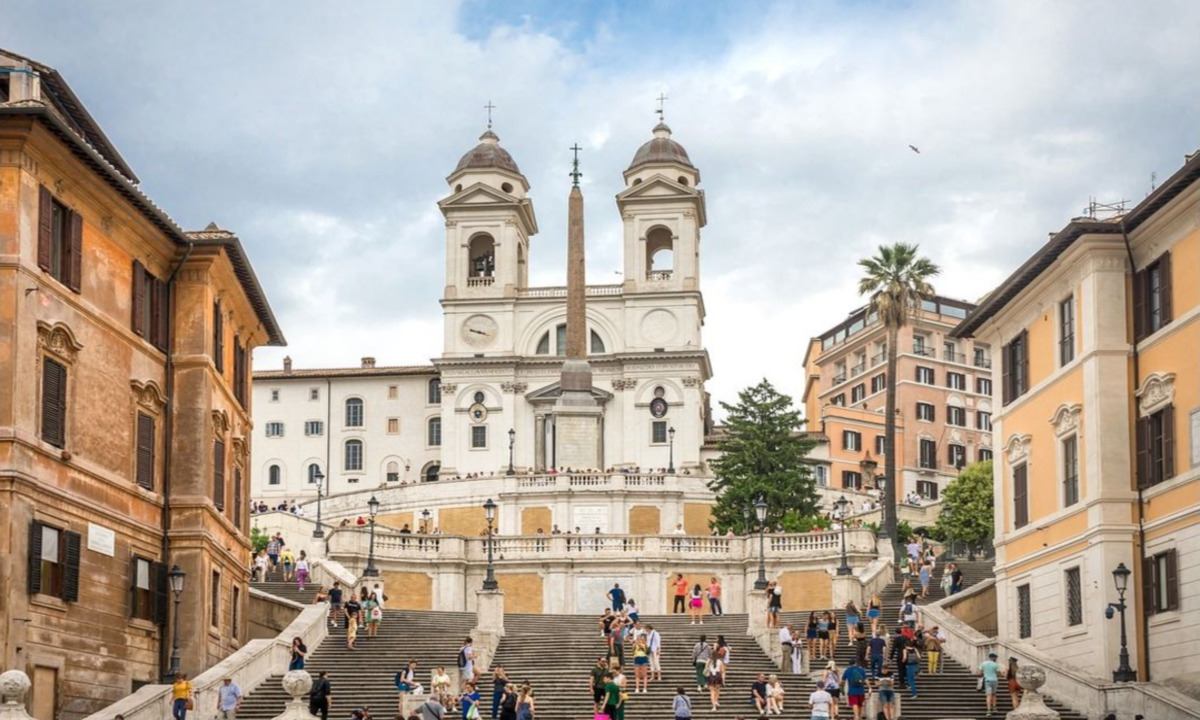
(45, 248)
(237, 498)
(54, 402)
(1006, 370)
(145, 451)
(158, 576)
(1149, 605)
(35, 557)
(139, 298)
(218, 338)
(1164, 285)
(1020, 501)
(1168, 443)
(75, 256)
(162, 311)
(219, 474)
(1139, 305)
(71, 569)
(1025, 379)
(1172, 563)
(1143, 452)
(133, 568)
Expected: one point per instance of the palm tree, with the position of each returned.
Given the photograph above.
(897, 279)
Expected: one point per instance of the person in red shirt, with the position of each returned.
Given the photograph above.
(714, 597)
(681, 591)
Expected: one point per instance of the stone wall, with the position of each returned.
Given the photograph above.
(269, 615)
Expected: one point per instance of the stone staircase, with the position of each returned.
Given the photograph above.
(275, 585)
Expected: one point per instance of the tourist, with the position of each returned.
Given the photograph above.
(380, 596)
(229, 699)
(440, 683)
(681, 589)
(714, 598)
(353, 612)
(406, 682)
(989, 673)
(956, 578)
(320, 697)
(1014, 687)
(617, 597)
(701, 654)
(833, 634)
(797, 652)
(273, 546)
(908, 611)
(925, 574)
(508, 703)
(715, 672)
(855, 679)
(874, 612)
(696, 605)
(301, 569)
(820, 702)
(851, 621)
(299, 652)
(182, 696)
(466, 662)
(682, 705)
(289, 564)
(775, 695)
(623, 683)
(612, 697)
(774, 604)
(876, 648)
(912, 665)
(373, 614)
(598, 674)
(605, 624)
(468, 702)
(810, 633)
(262, 564)
(785, 641)
(831, 679)
(335, 603)
(654, 643)
(499, 682)
(823, 647)
(431, 709)
(525, 704)
(641, 666)
(887, 692)
(758, 694)
(933, 649)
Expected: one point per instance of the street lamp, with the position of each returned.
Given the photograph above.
(671, 451)
(319, 479)
(841, 503)
(748, 514)
(489, 582)
(425, 515)
(512, 439)
(372, 509)
(760, 511)
(175, 577)
(1123, 673)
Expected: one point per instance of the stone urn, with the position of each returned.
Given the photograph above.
(297, 684)
(1033, 706)
(14, 686)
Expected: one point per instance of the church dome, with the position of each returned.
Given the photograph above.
(661, 149)
(488, 155)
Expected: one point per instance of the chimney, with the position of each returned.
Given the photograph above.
(368, 362)
(287, 364)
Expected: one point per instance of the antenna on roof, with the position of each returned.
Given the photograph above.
(1153, 182)
(489, 107)
(662, 101)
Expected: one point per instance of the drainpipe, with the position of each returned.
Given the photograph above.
(328, 446)
(1141, 500)
(169, 433)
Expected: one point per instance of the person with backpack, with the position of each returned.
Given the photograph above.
(682, 705)
(431, 709)
(466, 662)
(908, 610)
(912, 665)
(831, 680)
(320, 697)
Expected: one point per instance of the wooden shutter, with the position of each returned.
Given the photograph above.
(237, 498)
(71, 567)
(139, 298)
(162, 312)
(145, 451)
(74, 255)
(54, 402)
(1143, 452)
(1139, 305)
(1168, 442)
(1020, 496)
(158, 576)
(45, 246)
(1164, 288)
(1006, 373)
(35, 557)
(1024, 360)
(1172, 572)
(219, 474)
(1149, 603)
(218, 338)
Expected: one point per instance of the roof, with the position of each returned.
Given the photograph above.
(214, 236)
(1041, 260)
(487, 155)
(661, 149)
(388, 371)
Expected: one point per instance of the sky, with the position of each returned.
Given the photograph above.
(322, 133)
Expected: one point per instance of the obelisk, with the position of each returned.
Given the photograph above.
(577, 417)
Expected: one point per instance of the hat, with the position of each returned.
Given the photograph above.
(992, 656)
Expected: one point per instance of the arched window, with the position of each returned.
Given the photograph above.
(560, 342)
(393, 471)
(434, 436)
(483, 257)
(431, 472)
(274, 475)
(597, 344)
(313, 469)
(435, 392)
(660, 254)
(354, 412)
(353, 456)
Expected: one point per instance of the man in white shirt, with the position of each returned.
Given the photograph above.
(820, 702)
(229, 699)
(654, 645)
(785, 641)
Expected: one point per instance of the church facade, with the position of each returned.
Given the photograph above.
(489, 401)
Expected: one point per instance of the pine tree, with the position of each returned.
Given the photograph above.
(967, 509)
(762, 455)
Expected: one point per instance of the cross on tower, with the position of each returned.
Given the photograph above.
(662, 99)
(489, 107)
(575, 174)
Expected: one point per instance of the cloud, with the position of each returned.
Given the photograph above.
(322, 134)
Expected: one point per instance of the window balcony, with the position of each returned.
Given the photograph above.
(983, 362)
(858, 369)
(481, 281)
(839, 379)
(951, 356)
(659, 275)
(880, 357)
(924, 352)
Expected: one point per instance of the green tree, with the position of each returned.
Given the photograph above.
(967, 509)
(896, 279)
(259, 539)
(762, 455)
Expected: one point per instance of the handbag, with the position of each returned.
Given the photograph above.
(473, 712)
(191, 704)
(979, 684)
(601, 716)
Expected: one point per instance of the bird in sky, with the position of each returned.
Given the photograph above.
(914, 149)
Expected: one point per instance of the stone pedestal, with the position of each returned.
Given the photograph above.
(578, 424)
(14, 686)
(845, 589)
(489, 626)
(296, 683)
(1032, 707)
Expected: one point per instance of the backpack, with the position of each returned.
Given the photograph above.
(462, 657)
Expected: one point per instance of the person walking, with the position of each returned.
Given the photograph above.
(612, 697)
(654, 643)
(681, 589)
(715, 673)
(956, 578)
(834, 635)
(1014, 687)
(289, 564)
(301, 564)
(182, 696)
(696, 605)
(810, 633)
(933, 649)
(855, 679)
(876, 647)
(701, 654)
(832, 680)
(774, 604)
(299, 653)
(912, 665)
(335, 604)
(874, 612)
(641, 666)
(617, 597)
(820, 702)
(887, 692)
(499, 682)
(273, 546)
(714, 598)
(466, 662)
(682, 705)
(852, 621)
(989, 673)
(526, 707)
(373, 614)
(353, 616)
(229, 699)
(320, 697)
(925, 575)
(823, 635)
(598, 673)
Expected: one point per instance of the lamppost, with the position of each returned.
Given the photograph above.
(319, 479)
(512, 439)
(425, 515)
(748, 514)
(372, 509)
(841, 503)
(489, 582)
(175, 576)
(760, 510)
(671, 450)
(1123, 673)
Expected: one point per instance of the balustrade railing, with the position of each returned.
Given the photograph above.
(480, 281)
(561, 291)
(659, 275)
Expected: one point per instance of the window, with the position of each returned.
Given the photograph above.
(596, 346)
(925, 376)
(54, 402)
(1016, 367)
(851, 480)
(479, 437)
(53, 562)
(241, 374)
(927, 489)
(1070, 460)
(983, 386)
(233, 611)
(821, 474)
(851, 440)
(881, 444)
(237, 498)
(958, 456)
(879, 383)
(145, 451)
(148, 309)
(393, 426)
(354, 412)
(274, 475)
(950, 352)
(920, 346)
(1020, 475)
(1156, 447)
(985, 454)
(314, 428)
(1160, 575)
(925, 411)
(839, 372)
(393, 392)
(434, 392)
(839, 400)
(432, 472)
(928, 454)
(1024, 611)
(60, 240)
(274, 395)
(214, 599)
(1152, 297)
(983, 420)
(218, 339)
(858, 392)
(433, 436)
(314, 393)
(353, 456)
(1074, 588)
(219, 474)
(956, 381)
(274, 429)
(313, 469)
(982, 358)
(393, 471)
(141, 604)
(658, 432)
(956, 416)
(1066, 330)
